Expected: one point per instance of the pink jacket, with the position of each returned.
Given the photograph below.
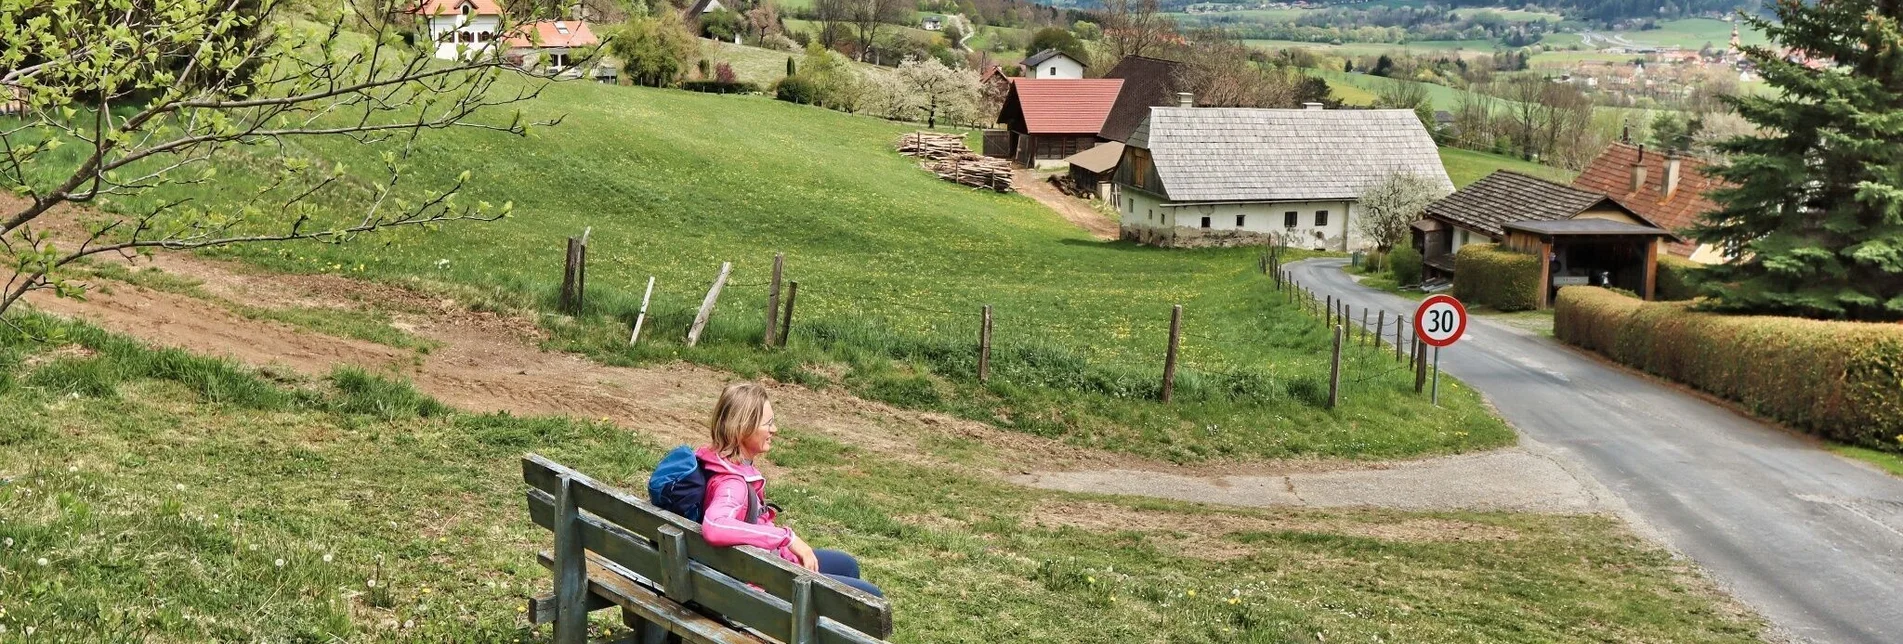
(725, 522)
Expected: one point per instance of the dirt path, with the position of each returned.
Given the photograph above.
(1074, 210)
(488, 362)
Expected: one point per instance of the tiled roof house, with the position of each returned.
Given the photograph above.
(1665, 188)
(1050, 119)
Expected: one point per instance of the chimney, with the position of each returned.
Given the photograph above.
(1185, 99)
(1311, 106)
(1638, 171)
(1671, 174)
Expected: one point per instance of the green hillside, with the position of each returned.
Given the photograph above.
(893, 266)
(1468, 166)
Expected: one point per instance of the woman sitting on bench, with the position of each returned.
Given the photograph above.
(736, 509)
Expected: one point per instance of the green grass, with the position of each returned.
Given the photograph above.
(893, 266)
(154, 496)
(1467, 166)
(1419, 47)
(1692, 33)
(1891, 462)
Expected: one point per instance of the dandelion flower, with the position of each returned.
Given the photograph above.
(521, 609)
(178, 486)
(1234, 600)
(1192, 592)
(72, 468)
(409, 623)
(372, 583)
(7, 543)
(426, 590)
(1090, 580)
(42, 561)
(279, 563)
(326, 557)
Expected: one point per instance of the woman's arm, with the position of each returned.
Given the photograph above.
(725, 521)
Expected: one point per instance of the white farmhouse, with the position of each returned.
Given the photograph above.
(1052, 63)
(470, 25)
(1202, 176)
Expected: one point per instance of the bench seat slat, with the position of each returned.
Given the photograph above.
(831, 599)
(617, 590)
(712, 589)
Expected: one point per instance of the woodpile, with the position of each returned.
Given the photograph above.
(946, 156)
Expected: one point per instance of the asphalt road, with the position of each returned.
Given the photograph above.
(1812, 541)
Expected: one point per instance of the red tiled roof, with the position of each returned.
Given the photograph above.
(1063, 105)
(453, 7)
(1611, 175)
(553, 33)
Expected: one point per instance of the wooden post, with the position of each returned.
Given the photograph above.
(1334, 372)
(1364, 326)
(805, 627)
(984, 344)
(786, 323)
(643, 315)
(1169, 359)
(1328, 306)
(581, 273)
(566, 302)
(571, 569)
(707, 305)
(1399, 324)
(1380, 324)
(1546, 276)
(773, 301)
(1420, 365)
(1652, 268)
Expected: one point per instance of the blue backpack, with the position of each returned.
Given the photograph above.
(679, 485)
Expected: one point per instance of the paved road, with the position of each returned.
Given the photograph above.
(1811, 540)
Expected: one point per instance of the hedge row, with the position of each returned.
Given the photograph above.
(1675, 278)
(1503, 279)
(1839, 380)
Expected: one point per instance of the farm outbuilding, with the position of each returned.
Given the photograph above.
(1667, 188)
(1053, 119)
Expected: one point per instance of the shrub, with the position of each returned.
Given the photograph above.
(1503, 279)
(796, 89)
(1405, 262)
(1833, 379)
(779, 42)
(1677, 278)
(717, 87)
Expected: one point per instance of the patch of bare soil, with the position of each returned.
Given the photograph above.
(1208, 535)
(1074, 210)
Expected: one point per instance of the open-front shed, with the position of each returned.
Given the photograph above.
(1596, 252)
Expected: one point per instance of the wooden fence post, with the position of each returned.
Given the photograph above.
(984, 344)
(1169, 359)
(1364, 327)
(581, 272)
(786, 324)
(1380, 324)
(566, 302)
(1334, 372)
(707, 305)
(773, 301)
(1328, 309)
(1399, 324)
(1420, 365)
(643, 315)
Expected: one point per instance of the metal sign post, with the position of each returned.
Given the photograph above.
(1436, 394)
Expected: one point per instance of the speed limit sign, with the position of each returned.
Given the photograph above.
(1440, 321)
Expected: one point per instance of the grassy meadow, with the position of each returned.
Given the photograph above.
(893, 266)
(1468, 166)
(155, 496)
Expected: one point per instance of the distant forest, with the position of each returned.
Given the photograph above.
(1604, 11)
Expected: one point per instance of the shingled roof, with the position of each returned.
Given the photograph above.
(1039, 57)
(1611, 174)
(1060, 105)
(1147, 83)
(1250, 154)
(1506, 196)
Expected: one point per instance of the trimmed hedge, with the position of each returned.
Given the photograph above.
(1677, 278)
(1503, 279)
(1839, 380)
(717, 87)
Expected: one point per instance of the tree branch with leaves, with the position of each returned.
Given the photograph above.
(126, 100)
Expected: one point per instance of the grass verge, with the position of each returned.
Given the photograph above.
(152, 495)
(1891, 462)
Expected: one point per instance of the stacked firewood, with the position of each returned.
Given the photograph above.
(946, 156)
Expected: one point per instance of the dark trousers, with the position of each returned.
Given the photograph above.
(844, 569)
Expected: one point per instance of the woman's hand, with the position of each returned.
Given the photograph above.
(805, 553)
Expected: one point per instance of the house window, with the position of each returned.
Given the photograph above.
(1205, 222)
(1239, 221)
(1321, 218)
(1288, 219)
(1053, 70)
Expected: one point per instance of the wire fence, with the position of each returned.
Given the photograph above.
(1359, 358)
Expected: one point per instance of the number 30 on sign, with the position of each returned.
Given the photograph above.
(1440, 321)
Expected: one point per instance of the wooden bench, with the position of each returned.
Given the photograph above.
(613, 549)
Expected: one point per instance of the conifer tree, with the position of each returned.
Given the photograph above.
(1815, 210)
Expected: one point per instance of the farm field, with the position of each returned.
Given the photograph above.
(1690, 33)
(157, 496)
(893, 266)
(1467, 166)
(1460, 47)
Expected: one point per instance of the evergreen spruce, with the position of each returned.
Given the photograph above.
(1816, 207)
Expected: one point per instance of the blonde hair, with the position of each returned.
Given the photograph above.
(738, 415)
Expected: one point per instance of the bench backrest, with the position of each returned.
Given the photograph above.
(787, 602)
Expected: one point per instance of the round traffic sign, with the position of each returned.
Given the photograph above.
(1440, 321)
